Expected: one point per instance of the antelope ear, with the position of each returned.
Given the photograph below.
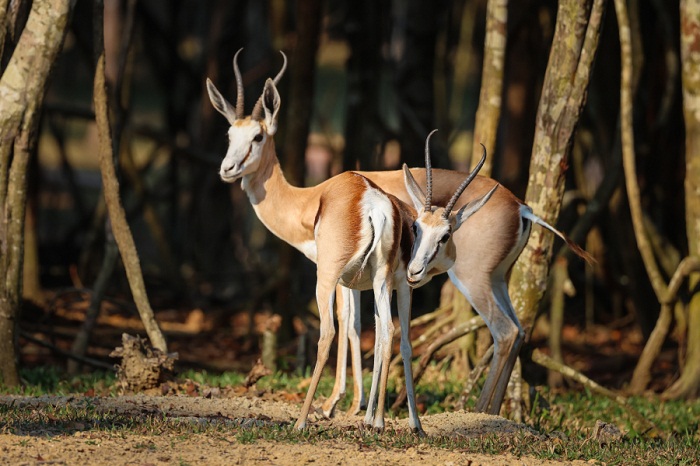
(472, 207)
(271, 106)
(414, 190)
(220, 103)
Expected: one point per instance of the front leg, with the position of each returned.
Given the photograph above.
(404, 295)
(325, 293)
(382, 295)
(376, 369)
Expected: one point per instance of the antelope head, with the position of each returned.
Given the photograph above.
(247, 135)
(433, 250)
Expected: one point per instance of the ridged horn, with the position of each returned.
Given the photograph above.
(428, 174)
(465, 183)
(239, 86)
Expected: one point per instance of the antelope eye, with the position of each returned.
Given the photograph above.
(415, 229)
(444, 238)
(258, 137)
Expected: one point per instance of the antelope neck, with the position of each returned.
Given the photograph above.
(278, 205)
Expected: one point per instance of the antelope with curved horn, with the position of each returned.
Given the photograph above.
(485, 247)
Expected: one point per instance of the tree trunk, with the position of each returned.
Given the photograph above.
(363, 127)
(302, 70)
(22, 88)
(490, 97)
(485, 128)
(31, 283)
(575, 41)
(688, 385)
(117, 216)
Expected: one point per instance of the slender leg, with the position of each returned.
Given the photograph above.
(404, 295)
(358, 395)
(500, 291)
(382, 292)
(376, 369)
(325, 294)
(504, 331)
(347, 304)
(338, 392)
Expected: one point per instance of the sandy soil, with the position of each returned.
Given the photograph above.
(119, 448)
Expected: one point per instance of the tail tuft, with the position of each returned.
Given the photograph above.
(527, 213)
(579, 251)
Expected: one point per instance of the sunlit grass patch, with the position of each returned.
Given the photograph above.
(561, 424)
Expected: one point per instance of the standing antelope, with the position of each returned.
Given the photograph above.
(363, 240)
(485, 247)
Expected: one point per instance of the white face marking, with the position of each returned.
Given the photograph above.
(246, 141)
(432, 235)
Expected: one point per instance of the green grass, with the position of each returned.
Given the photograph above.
(51, 381)
(561, 423)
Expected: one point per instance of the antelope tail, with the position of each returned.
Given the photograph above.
(377, 221)
(528, 214)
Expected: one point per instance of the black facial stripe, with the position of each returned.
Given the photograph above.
(437, 248)
(246, 156)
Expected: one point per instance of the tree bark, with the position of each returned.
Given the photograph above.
(31, 283)
(489, 111)
(566, 80)
(22, 88)
(488, 115)
(688, 385)
(120, 227)
(628, 154)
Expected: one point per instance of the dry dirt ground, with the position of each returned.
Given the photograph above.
(84, 447)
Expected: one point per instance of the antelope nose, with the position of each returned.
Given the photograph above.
(416, 272)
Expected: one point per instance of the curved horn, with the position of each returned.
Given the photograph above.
(239, 86)
(465, 183)
(428, 173)
(257, 110)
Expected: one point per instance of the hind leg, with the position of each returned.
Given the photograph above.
(358, 395)
(506, 337)
(347, 303)
(500, 291)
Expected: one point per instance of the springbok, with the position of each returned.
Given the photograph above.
(485, 247)
(363, 240)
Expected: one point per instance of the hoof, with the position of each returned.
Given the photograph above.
(355, 409)
(378, 429)
(321, 413)
(378, 424)
(419, 432)
(300, 425)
